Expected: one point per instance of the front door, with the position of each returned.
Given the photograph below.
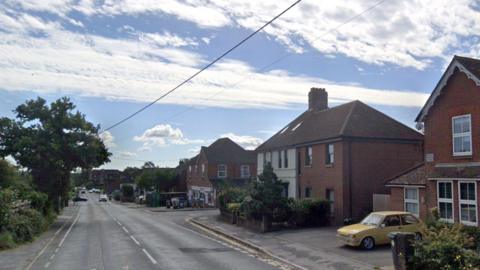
(331, 199)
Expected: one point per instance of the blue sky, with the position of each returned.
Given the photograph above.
(111, 57)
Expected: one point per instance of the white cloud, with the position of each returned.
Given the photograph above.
(127, 154)
(163, 135)
(406, 33)
(247, 142)
(167, 39)
(194, 150)
(128, 70)
(108, 139)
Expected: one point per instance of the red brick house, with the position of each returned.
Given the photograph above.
(451, 122)
(343, 153)
(222, 161)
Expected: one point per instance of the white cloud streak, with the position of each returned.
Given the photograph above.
(247, 142)
(163, 135)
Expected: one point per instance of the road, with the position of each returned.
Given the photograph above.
(112, 236)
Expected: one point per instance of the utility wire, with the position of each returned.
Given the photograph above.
(203, 69)
(277, 60)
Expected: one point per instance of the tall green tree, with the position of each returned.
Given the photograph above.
(51, 141)
(158, 179)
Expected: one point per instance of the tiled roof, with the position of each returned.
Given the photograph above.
(227, 151)
(469, 66)
(456, 172)
(414, 176)
(472, 64)
(353, 119)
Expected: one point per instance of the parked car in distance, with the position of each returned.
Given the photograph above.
(374, 229)
(80, 199)
(103, 198)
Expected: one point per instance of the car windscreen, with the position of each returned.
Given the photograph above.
(372, 219)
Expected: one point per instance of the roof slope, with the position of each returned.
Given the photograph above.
(226, 150)
(470, 66)
(415, 175)
(353, 119)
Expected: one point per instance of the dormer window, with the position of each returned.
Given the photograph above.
(462, 135)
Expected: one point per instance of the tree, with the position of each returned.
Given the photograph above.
(265, 195)
(158, 179)
(51, 141)
(7, 174)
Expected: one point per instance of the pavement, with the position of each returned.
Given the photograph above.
(100, 236)
(313, 248)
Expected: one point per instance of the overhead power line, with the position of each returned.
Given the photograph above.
(203, 69)
(277, 60)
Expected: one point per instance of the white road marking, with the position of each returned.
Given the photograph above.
(53, 256)
(119, 224)
(135, 240)
(69, 229)
(125, 229)
(149, 256)
(45, 247)
(47, 265)
(56, 250)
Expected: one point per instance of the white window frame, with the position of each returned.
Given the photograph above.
(242, 175)
(203, 169)
(417, 201)
(331, 155)
(459, 154)
(444, 200)
(224, 170)
(471, 202)
(308, 149)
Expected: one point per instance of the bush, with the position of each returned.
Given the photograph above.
(445, 247)
(6, 240)
(7, 197)
(233, 207)
(38, 201)
(21, 228)
(117, 195)
(127, 193)
(309, 212)
(265, 196)
(231, 195)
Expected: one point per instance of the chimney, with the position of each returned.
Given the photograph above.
(317, 99)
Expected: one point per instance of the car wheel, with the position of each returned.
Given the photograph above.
(418, 236)
(367, 243)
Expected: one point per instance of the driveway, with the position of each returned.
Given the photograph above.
(315, 248)
(324, 239)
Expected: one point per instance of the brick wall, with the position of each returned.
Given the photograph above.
(460, 96)
(373, 162)
(320, 177)
(397, 200)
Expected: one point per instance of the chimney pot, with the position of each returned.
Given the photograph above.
(317, 99)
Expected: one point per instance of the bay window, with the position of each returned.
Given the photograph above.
(467, 194)
(445, 200)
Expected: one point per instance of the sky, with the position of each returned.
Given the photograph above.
(113, 57)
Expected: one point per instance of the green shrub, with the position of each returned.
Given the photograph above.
(233, 207)
(231, 195)
(21, 228)
(117, 195)
(309, 212)
(127, 193)
(38, 201)
(7, 197)
(445, 247)
(6, 240)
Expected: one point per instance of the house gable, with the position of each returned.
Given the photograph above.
(470, 67)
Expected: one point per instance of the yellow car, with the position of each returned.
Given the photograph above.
(373, 230)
